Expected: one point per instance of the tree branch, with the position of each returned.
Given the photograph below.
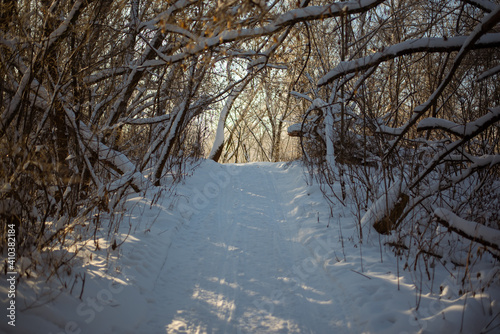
(482, 234)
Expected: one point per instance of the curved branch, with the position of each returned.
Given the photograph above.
(485, 5)
(433, 44)
(482, 234)
(283, 21)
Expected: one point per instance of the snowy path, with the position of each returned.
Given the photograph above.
(249, 249)
(237, 267)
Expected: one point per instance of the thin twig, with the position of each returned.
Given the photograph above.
(357, 272)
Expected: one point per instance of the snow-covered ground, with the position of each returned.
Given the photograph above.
(250, 248)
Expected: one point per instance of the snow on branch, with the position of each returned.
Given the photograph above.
(282, 21)
(218, 144)
(471, 230)
(387, 130)
(164, 16)
(118, 160)
(104, 74)
(146, 121)
(7, 116)
(385, 212)
(478, 163)
(479, 125)
(485, 161)
(471, 130)
(63, 27)
(485, 5)
(472, 41)
(108, 155)
(489, 73)
(432, 44)
(460, 130)
(320, 12)
(433, 123)
(301, 96)
(176, 29)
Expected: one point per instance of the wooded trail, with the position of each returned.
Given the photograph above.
(237, 266)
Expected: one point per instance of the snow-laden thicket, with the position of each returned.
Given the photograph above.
(100, 97)
(411, 116)
(396, 104)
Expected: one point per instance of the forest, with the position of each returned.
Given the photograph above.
(392, 106)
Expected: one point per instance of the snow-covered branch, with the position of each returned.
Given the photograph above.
(432, 123)
(470, 131)
(489, 73)
(484, 235)
(485, 5)
(107, 155)
(433, 44)
(321, 12)
(218, 144)
(51, 41)
(479, 32)
(281, 22)
(149, 120)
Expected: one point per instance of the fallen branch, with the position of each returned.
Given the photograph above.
(357, 272)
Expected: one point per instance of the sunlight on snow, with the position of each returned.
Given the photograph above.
(218, 301)
(223, 245)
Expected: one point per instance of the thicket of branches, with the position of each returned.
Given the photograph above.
(102, 98)
(407, 115)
